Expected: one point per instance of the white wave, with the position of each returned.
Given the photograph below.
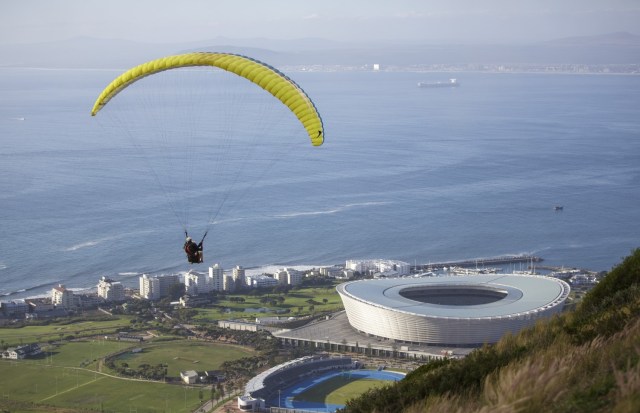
(83, 245)
(127, 274)
(222, 221)
(3, 266)
(20, 118)
(95, 242)
(330, 211)
(80, 290)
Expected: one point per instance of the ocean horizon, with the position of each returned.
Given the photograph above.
(406, 173)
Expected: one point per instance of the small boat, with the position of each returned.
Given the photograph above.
(450, 83)
(558, 208)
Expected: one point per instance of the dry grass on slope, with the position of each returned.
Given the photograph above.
(602, 375)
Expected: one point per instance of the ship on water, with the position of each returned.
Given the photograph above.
(450, 83)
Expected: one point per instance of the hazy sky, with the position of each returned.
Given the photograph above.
(465, 21)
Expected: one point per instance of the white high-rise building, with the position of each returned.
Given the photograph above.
(281, 276)
(110, 290)
(216, 278)
(197, 283)
(156, 287)
(294, 277)
(239, 276)
(228, 284)
(149, 287)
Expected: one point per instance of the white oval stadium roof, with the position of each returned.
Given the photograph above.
(521, 294)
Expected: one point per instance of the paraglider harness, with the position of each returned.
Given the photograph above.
(193, 250)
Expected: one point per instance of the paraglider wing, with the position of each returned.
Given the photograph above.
(263, 75)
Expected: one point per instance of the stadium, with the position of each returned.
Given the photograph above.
(279, 386)
(452, 310)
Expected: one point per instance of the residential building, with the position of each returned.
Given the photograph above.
(294, 277)
(260, 281)
(239, 276)
(280, 276)
(197, 283)
(15, 308)
(288, 276)
(216, 275)
(333, 272)
(62, 297)
(157, 287)
(228, 283)
(387, 267)
(110, 290)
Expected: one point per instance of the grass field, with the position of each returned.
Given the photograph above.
(339, 389)
(65, 376)
(181, 355)
(293, 301)
(53, 332)
(78, 388)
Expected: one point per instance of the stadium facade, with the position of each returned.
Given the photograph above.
(452, 310)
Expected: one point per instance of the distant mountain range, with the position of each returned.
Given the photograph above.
(613, 48)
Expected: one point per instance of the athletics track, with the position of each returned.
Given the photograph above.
(288, 394)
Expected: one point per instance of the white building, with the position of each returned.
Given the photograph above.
(197, 283)
(239, 276)
(333, 272)
(62, 297)
(216, 278)
(156, 287)
(281, 276)
(388, 267)
(288, 276)
(260, 281)
(189, 376)
(294, 277)
(228, 284)
(110, 290)
(149, 287)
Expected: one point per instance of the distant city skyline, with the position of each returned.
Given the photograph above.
(457, 21)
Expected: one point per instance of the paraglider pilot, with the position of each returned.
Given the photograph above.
(193, 250)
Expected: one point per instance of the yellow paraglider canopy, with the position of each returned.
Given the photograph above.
(263, 75)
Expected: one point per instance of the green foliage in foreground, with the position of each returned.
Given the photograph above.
(586, 360)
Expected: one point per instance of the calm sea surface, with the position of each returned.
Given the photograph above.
(420, 175)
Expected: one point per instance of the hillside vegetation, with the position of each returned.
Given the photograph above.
(585, 360)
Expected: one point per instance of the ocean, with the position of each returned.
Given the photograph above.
(405, 173)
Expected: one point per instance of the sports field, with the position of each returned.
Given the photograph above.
(70, 376)
(329, 392)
